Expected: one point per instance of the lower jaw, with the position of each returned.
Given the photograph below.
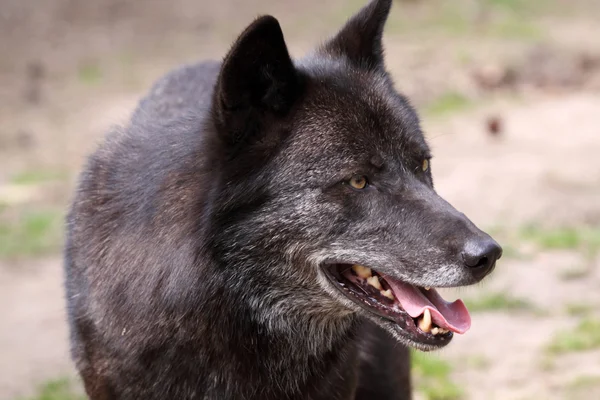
(411, 341)
(392, 318)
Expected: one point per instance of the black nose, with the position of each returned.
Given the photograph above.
(480, 255)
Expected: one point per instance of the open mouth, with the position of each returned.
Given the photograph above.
(420, 313)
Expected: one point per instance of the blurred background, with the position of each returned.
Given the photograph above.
(509, 93)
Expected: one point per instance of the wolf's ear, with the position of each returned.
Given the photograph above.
(360, 39)
(257, 78)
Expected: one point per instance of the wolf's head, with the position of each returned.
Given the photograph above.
(326, 194)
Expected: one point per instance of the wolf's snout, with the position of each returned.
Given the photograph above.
(480, 255)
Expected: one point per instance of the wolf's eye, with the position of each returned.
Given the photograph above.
(425, 165)
(358, 182)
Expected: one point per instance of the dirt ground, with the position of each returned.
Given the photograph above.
(535, 185)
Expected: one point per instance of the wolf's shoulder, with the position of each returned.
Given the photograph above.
(163, 141)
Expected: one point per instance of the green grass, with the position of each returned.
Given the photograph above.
(498, 302)
(478, 362)
(557, 238)
(37, 176)
(547, 363)
(585, 238)
(585, 336)
(513, 5)
(30, 233)
(505, 19)
(90, 73)
(513, 19)
(59, 389)
(432, 377)
(462, 19)
(515, 29)
(448, 103)
(521, 6)
(579, 310)
(584, 382)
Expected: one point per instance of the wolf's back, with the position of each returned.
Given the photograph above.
(183, 91)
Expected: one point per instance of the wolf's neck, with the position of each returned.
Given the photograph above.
(286, 354)
(310, 336)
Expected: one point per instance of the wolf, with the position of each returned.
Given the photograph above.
(267, 228)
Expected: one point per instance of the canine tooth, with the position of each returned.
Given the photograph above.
(387, 293)
(363, 272)
(374, 281)
(427, 288)
(435, 330)
(425, 321)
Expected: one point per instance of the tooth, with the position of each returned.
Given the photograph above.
(427, 288)
(363, 272)
(425, 321)
(442, 330)
(387, 293)
(435, 330)
(374, 281)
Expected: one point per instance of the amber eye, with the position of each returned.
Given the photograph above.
(358, 182)
(425, 165)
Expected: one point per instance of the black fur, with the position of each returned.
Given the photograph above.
(197, 233)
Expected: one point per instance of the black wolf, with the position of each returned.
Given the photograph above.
(265, 228)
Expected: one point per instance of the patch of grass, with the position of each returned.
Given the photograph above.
(452, 20)
(547, 363)
(507, 19)
(30, 233)
(584, 382)
(515, 29)
(513, 5)
(464, 57)
(447, 103)
(561, 238)
(520, 242)
(478, 362)
(432, 377)
(498, 302)
(59, 389)
(585, 336)
(512, 19)
(578, 310)
(38, 176)
(584, 238)
(90, 73)
(520, 6)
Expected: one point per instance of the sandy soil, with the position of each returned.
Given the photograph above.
(34, 337)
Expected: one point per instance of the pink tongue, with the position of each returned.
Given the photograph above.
(452, 316)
